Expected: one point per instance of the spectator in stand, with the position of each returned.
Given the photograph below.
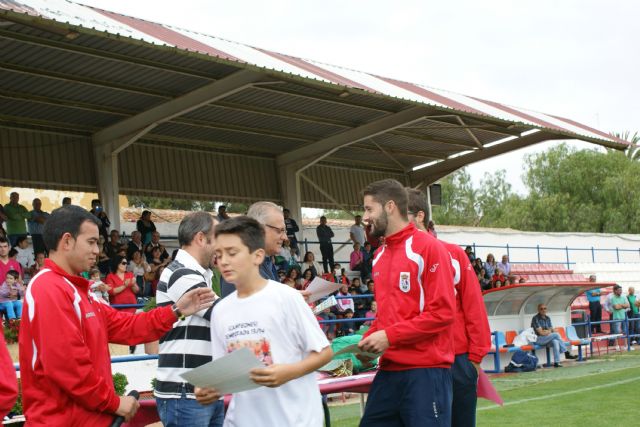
(38, 265)
(98, 211)
(122, 284)
(6, 262)
(292, 229)
(8, 383)
(35, 224)
(293, 279)
(634, 325)
(66, 201)
(371, 313)
(347, 327)
(478, 265)
(112, 247)
(11, 293)
(155, 243)
(139, 267)
(103, 258)
(282, 275)
(619, 307)
(547, 336)
(498, 277)
(595, 307)
(16, 216)
(283, 258)
(156, 265)
(356, 232)
(345, 303)
(146, 227)
(356, 260)
(339, 275)
(328, 328)
(135, 245)
(472, 256)
(222, 213)
(485, 284)
(490, 266)
(3, 218)
(25, 256)
(307, 277)
(325, 234)
(99, 289)
(310, 263)
(358, 285)
(372, 239)
(505, 266)
(360, 307)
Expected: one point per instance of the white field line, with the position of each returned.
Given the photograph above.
(564, 393)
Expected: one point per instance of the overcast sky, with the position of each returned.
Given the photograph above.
(574, 58)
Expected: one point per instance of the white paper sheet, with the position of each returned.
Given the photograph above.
(356, 350)
(321, 288)
(229, 374)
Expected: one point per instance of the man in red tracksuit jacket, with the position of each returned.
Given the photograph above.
(413, 326)
(65, 365)
(472, 335)
(8, 383)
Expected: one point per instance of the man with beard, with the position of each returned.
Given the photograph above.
(471, 332)
(416, 308)
(188, 344)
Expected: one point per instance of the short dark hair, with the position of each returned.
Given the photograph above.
(3, 239)
(115, 262)
(192, 224)
(13, 274)
(417, 201)
(13, 252)
(348, 311)
(66, 200)
(20, 240)
(93, 272)
(250, 231)
(65, 219)
(388, 189)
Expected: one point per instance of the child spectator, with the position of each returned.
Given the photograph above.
(498, 276)
(344, 303)
(25, 254)
(371, 313)
(347, 327)
(253, 314)
(339, 275)
(139, 267)
(356, 262)
(97, 286)
(357, 286)
(10, 293)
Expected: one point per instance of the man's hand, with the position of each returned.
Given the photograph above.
(128, 407)
(477, 366)
(206, 396)
(273, 376)
(196, 300)
(377, 342)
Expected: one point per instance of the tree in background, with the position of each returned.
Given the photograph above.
(459, 200)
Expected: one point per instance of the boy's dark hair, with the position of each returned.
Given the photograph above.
(3, 239)
(13, 274)
(417, 201)
(13, 252)
(65, 219)
(336, 265)
(388, 189)
(348, 311)
(250, 231)
(20, 240)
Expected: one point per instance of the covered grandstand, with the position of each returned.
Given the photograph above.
(101, 101)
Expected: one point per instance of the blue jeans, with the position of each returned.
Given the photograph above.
(12, 308)
(555, 341)
(185, 412)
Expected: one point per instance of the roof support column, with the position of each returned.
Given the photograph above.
(289, 181)
(106, 162)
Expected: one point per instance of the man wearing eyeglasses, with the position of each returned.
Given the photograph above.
(541, 324)
(270, 216)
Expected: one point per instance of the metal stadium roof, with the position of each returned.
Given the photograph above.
(102, 100)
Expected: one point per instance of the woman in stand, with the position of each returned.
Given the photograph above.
(307, 277)
(122, 285)
(309, 262)
(145, 226)
(293, 279)
(139, 267)
(490, 266)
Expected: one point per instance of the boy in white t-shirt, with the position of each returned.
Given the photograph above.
(275, 322)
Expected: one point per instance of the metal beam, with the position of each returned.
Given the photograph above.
(386, 153)
(313, 153)
(469, 132)
(427, 138)
(431, 174)
(324, 193)
(209, 93)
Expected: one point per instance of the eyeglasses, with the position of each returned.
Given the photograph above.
(277, 229)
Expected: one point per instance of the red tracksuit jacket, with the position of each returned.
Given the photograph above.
(471, 333)
(65, 365)
(8, 383)
(416, 302)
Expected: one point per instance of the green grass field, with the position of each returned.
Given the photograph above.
(602, 391)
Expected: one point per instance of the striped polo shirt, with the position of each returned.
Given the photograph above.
(188, 344)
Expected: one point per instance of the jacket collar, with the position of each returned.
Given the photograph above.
(402, 235)
(78, 281)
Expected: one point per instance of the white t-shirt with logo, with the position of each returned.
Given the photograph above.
(280, 328)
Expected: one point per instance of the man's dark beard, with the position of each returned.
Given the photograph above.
(379, 226)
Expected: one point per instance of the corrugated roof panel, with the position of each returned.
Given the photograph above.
(43, 160)
(207, 175)
(58, 114)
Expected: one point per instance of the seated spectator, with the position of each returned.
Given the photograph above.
(11, 292)
(307, 277)
(146, 227)
(498, 276)
(25, 256)
(512, 279)
(283, 257)
(135, 245)
(294, 261)
(505, 266)
(360, 307)
(344, 303)
(371, 313)
(490, 266)
(339, 274)
(496, 284)
(328, 328)
(485, 284)
(122, 285)
(282, 275)
(547, 336)
(156, 265)
(367, 259)
(293, 279)
(155, 243)
(469, 251)
(478, 265)
(112, 247)
(103, 258)
(139, 267)
(347, 327)
(357, 286)
(356, 260)
(368, 301)
(97, 286)
(309, 262)
(38, 265)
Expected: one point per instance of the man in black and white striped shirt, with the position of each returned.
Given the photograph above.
(188, 344)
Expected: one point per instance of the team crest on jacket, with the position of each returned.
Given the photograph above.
(405, 281)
